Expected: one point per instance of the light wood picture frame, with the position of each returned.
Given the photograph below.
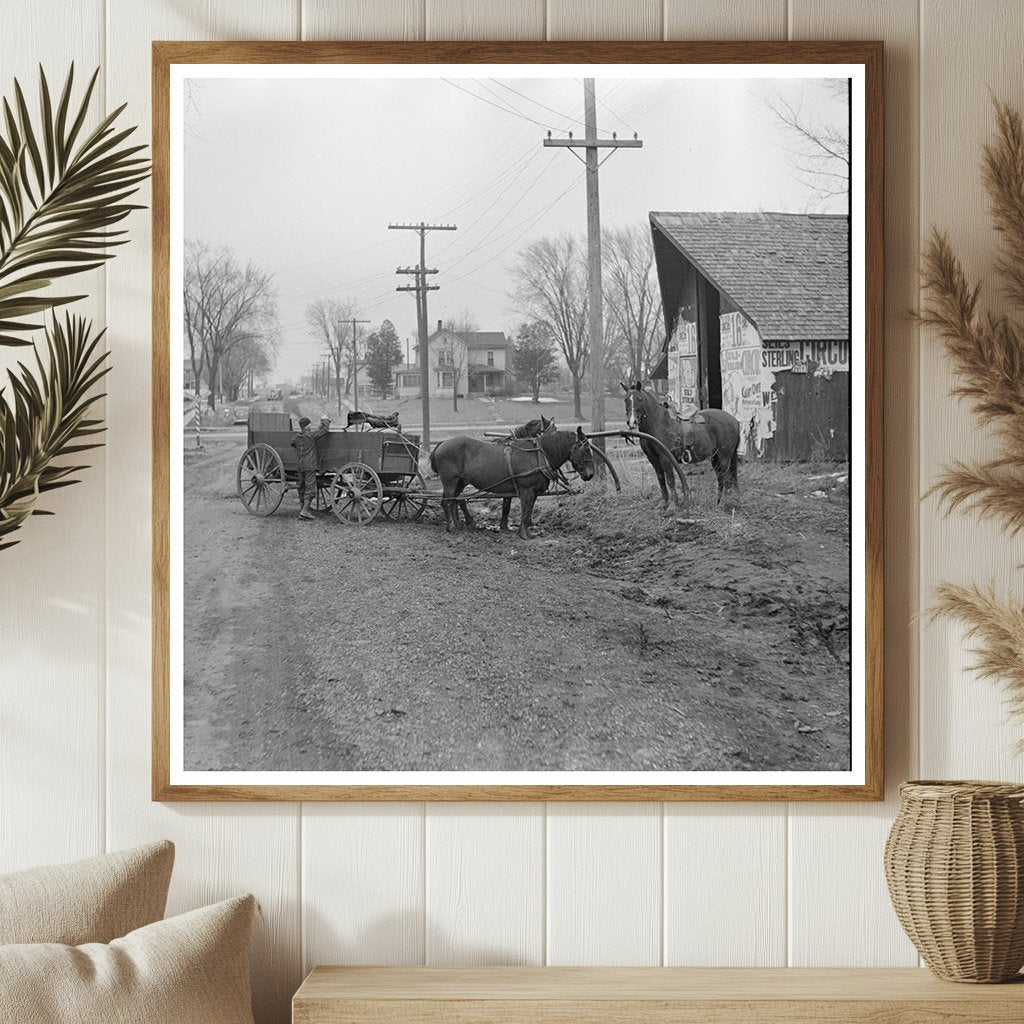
(861, 777)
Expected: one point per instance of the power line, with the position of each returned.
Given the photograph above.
(508, 103)
(533, 220)
(511, 172)
(624, 124)
(564, 117)
(669, 94)
(330, 259)
(386, 257)
(503, 109)
(642, 104)
(512, 206)
(497, 156)
(505, 216)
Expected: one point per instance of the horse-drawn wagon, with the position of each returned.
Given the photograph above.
(362, 474)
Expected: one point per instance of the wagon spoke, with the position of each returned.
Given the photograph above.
(356, 494)
(261, 480)
(406, 503)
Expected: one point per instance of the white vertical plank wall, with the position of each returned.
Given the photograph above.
(485, 883)
(509, 883)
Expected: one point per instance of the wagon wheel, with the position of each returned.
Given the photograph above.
(407, 503)
(356, 494)
(261, 482)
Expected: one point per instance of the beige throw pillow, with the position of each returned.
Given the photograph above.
(92, 900)
(191, 969)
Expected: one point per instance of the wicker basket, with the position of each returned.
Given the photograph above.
(954, 861)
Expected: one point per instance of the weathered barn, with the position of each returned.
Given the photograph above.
(757, 316)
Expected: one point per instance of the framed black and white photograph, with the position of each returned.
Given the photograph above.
(517, 421)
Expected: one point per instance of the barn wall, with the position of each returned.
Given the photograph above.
(791, 398)
(517, 883)
(811, 416)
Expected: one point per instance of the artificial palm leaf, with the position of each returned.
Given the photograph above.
(45, 418)
(62, 191)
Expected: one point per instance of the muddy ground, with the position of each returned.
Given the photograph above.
(620, 639)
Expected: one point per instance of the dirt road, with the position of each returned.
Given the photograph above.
(622, 639)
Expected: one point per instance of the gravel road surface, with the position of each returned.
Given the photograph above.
(621, 639)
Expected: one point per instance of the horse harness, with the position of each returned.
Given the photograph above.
(531, 446)
(687, 427)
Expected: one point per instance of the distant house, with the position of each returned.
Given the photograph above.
(757, 314)
(407, 380)
(190, 377)
(474, 360)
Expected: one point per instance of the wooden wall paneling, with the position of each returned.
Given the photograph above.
(362, 884)
(725, 865)
(485, 883)
(725, 19)
(967, 49)
(222, 849)
(51, 582)
(604, 884)
(836, 852)
(485, 19)
(363, 19)
(725, 885)
(605, 19)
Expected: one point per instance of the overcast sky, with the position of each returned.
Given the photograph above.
(303, 176)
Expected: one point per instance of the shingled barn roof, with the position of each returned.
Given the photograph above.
(787, 272)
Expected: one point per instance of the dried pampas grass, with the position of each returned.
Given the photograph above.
(997, 631)
(987, 354)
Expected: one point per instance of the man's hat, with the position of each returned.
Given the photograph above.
(304, 422)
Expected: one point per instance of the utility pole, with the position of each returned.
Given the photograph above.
(591, 143)
(355, 363)
(420, 288)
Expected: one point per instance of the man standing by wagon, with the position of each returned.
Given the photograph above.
(305, 444)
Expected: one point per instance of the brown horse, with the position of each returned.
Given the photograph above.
(531, 428)
(522, 469)
(709, 434)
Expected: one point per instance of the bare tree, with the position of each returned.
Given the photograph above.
(551, 286)
(331, 321)
(464, 323)
(818, 143)
(251, 361)
(196, 261)
(632, 302)
(226, 306)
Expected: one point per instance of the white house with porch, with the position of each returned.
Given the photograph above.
(474, 361)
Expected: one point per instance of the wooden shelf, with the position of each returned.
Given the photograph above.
(632, 995)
